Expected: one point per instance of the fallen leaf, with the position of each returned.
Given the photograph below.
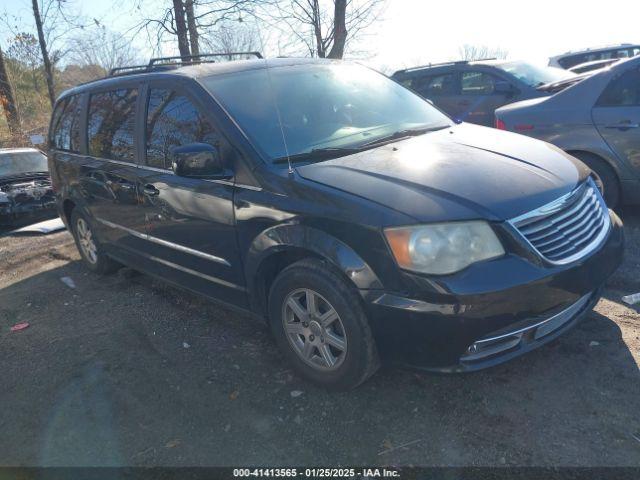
(172, 443)
(296, 393)
(19, 326)
(233, 395)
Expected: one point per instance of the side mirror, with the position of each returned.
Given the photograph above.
(198, 160)
(504, 88)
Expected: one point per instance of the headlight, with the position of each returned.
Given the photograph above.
(442, 248)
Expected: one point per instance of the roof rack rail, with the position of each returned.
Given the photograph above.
(160, 62)
(440, 64)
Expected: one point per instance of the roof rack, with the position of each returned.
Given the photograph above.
(441, 64)
(178, 61)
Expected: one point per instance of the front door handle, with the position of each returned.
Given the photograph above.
(150, 191)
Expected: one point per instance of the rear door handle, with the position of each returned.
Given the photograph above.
(623, 126)
(150, 190)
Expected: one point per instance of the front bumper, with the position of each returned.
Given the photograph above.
(16, 215)
(525, 303)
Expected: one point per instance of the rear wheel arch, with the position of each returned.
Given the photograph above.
(606, 169)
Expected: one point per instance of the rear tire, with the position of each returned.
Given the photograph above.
(606, 179)
(319, 324)
(90, 249)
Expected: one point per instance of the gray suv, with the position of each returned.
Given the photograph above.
(471, 91)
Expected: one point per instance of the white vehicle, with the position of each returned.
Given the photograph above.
(571, 59)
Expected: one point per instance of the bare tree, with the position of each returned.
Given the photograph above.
(48, 69)
(103, 48)
(187, 20)
(55, 20)
(229, 38)
(181, 29)
(479, 52)
(326, 27)
(192, 27)
(8, 101)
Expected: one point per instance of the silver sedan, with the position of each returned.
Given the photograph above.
(597, 121)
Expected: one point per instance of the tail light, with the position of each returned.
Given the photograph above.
(523, 127)
(500, 125)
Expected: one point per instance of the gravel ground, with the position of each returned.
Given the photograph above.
(122, 370)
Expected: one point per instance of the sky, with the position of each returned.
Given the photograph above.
(412, 32)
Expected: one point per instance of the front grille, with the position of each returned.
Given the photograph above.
(569, 228)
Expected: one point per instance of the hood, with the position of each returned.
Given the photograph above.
(465, 172)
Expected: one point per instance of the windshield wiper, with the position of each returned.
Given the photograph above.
(327, 153)
(409, 132)
(318, 154)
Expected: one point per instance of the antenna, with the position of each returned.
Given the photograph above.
(275, 103)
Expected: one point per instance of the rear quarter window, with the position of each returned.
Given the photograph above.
(623, 91)
(111, 124)
(66, 125)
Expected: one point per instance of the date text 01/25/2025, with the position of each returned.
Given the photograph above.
(316, 473)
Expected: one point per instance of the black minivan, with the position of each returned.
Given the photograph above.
(357, 219)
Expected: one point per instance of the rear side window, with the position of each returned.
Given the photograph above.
(436, 86)
(573, 60)
(111, 124)
(623, 91)
(172, 121)
(477, 83)
(66, 125)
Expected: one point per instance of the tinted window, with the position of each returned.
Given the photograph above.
(623, 91)
(477, 83)
(573, 60)
(436, 86)
(111, 124)
(66, 122)
(173, 120)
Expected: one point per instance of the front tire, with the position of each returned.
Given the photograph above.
(90, 249)
(318, 322)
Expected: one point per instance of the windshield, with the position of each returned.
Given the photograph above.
(292, 110)
(15, 163)
(535, 75)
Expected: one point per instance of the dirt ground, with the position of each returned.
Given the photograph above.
(122, 370)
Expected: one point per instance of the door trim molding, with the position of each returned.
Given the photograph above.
(165, 243)
(186, 270)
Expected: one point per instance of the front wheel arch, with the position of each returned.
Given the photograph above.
(280, 246)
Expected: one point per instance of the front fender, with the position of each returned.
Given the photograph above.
(281, 238)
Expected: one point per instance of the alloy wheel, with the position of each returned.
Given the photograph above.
(85, 239)
(314, 329)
